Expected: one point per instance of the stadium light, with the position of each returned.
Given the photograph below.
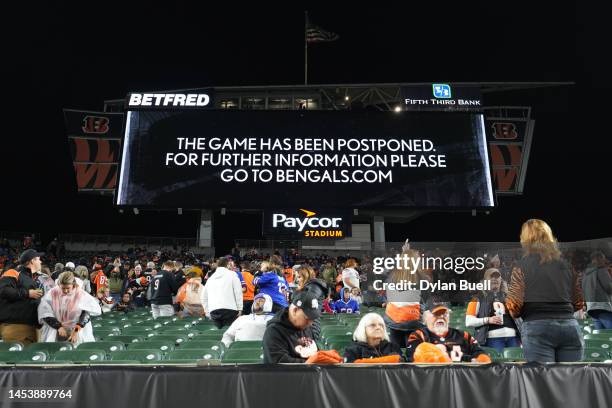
(136, 212)
(346, 98)
(180, 211)
(397, 109)
(223, 211)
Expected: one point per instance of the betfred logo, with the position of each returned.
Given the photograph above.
(95, 124)
(167, 100)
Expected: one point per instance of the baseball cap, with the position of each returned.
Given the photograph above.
(70, 265)
(28, 255)
(435, 307)
(308, 302)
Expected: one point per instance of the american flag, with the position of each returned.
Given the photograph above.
(317, 34)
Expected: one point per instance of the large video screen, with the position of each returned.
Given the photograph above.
(264, 159)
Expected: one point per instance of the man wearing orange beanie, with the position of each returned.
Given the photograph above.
(452, 345)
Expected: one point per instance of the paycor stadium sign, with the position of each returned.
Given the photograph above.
(305, 223)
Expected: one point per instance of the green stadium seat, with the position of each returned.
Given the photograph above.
(253, 344)
(336, 331)
(599, 336)
(598, 343)
(50, 348)
(177, 339)
(208, 335)
(125, 339)
(596, 355)
(107, 345)
(23, 357)
(514, 354)
(194, 355)
(144, 356)
(138, 331)
(164, 346)
(79, 356)
(203, 345)
(12, 346)
(243, 355)
(104, 333)
(494, 354)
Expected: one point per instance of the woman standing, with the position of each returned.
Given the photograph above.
(486, 312)
(545, 293)
(403, 307)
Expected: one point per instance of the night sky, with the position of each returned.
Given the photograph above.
(76, 56)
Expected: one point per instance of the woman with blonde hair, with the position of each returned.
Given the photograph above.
(371, 343)
(544, 291)
(65, 312)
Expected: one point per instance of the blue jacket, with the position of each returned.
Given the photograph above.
(340, 306)
(272, 285)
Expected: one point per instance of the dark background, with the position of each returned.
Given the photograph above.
(75, 55)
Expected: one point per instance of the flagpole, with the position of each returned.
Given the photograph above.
(305, 48)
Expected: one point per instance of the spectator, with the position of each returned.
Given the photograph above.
(356, 295)
(403, 307)
(82, 273)
(252, 326)
(43, 280)
(69, 267)
(545, 292)
(248, 295)
(99, 278)
(105, 300)
(115, 282)
(346, 304)
(307, 280)
(597, 286)
(65, 312)
(59, 268)
(371, 343)
(328, 303)
(162, 287)
(19, 300)
(125, 305)
(288, 337)
(223, 295)
(487, 314)
(190, 296)
(453, 344)
(329, 275)
(269, 282)
(350, 276)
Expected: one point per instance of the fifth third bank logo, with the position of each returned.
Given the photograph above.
(441, 91)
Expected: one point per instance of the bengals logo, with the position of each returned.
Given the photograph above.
(504, 130)
(95, 124)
